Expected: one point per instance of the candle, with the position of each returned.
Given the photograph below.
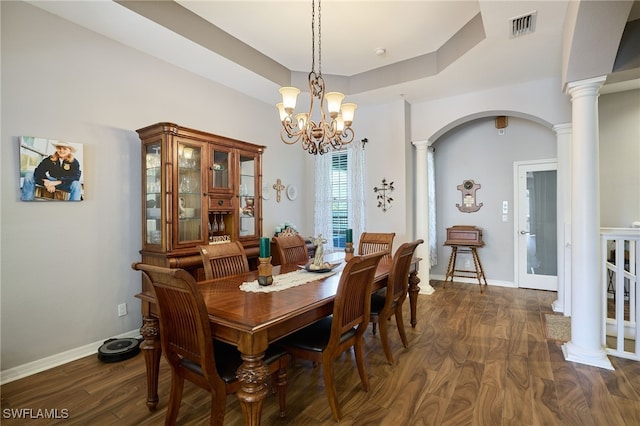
(349, 236)
(265, 247)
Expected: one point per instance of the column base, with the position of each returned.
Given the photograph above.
(597, 358)
(557, 306)
(425, 287)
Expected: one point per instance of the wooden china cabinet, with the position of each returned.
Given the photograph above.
(197, 188)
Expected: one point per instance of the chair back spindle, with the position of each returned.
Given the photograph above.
(372, 242)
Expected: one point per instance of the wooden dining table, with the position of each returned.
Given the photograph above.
(253, 320)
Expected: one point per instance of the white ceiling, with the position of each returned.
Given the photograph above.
(433, 48)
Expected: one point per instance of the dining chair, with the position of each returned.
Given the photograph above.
(371, 242)
(224, 259)
(323, 341)
(192, 354)
(387, 303)
(292, 249)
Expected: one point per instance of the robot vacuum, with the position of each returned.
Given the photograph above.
(114, 350)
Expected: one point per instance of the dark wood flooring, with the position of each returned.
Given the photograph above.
(473, 359)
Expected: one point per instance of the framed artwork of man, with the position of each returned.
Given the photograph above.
(50, 170)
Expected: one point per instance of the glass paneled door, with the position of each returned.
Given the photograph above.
(536, 258)
(153, 194)
(247, 195)
(190, 193)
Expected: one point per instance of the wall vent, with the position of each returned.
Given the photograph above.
(522, 25)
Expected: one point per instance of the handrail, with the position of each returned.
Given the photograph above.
(620, 254)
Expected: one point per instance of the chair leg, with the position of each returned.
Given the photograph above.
(330, 387)
(175, 397)
(373, 330)
(281, 386)
(384, 338)
(362, 368)
(218, 407)
(400, 323)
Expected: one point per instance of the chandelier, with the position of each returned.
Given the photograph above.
(322, 136)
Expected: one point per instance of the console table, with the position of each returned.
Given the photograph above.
(465, 239)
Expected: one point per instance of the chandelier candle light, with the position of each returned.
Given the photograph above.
(320, 137)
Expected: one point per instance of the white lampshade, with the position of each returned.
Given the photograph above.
(302, 119)
(334, 99)
(348, 111)
(339, 124)
(289, 96)
(283, 113)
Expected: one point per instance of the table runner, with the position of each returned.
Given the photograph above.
(285, 281)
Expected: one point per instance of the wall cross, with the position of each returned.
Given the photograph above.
(384, 200)
(279, 187)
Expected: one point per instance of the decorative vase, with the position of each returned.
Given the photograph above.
(265, 270)
(348, 251)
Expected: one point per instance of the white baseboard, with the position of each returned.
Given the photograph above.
(21, 371)
(475, 281)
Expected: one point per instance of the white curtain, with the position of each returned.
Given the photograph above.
(322, 216)
(433, 249)
(356, 191)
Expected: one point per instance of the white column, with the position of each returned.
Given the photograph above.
(585, 346)
(422, 215)
(563, 135)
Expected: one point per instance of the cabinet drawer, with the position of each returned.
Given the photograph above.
(219, 203)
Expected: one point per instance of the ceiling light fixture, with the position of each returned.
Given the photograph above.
(320, 137)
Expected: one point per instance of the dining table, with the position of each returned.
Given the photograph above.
(251, 320)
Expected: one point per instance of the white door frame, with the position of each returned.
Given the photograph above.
(553, 165)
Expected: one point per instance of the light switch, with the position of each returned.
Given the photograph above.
(505, 207)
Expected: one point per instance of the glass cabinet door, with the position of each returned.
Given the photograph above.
(189, 202)
(221, 178)
(153, 194)
(247, 195)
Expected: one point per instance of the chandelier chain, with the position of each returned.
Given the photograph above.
(319, 38)
(332, 130)
(313, 35)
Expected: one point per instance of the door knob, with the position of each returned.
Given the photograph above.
(524, 232)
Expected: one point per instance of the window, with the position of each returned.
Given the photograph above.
(340, 196)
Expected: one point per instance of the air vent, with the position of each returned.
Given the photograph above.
(523, 25)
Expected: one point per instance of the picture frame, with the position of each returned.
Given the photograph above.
(50, 170)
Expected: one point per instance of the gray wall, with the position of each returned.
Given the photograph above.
(66, 266)
(475, 151)
(619, 115)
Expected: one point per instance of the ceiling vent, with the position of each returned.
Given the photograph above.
(523, 25)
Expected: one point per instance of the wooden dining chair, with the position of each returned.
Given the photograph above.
(387, 303)
(292, 249)
(371, 242)
(323, 341)
(224, 259)
(192, 354)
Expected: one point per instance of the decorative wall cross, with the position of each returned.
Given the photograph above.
(279, 187)
(384, 201)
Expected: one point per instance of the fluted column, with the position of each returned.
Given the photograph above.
(585, 346)
(422, 215)
(563, 135)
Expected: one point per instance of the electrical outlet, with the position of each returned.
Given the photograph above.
(122, 309)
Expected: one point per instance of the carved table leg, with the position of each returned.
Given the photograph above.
(413, 296)
(253, 374)
(152, 351)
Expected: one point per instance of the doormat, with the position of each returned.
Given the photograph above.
(557, 327)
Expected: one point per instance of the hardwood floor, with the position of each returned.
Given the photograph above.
(473, 359)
